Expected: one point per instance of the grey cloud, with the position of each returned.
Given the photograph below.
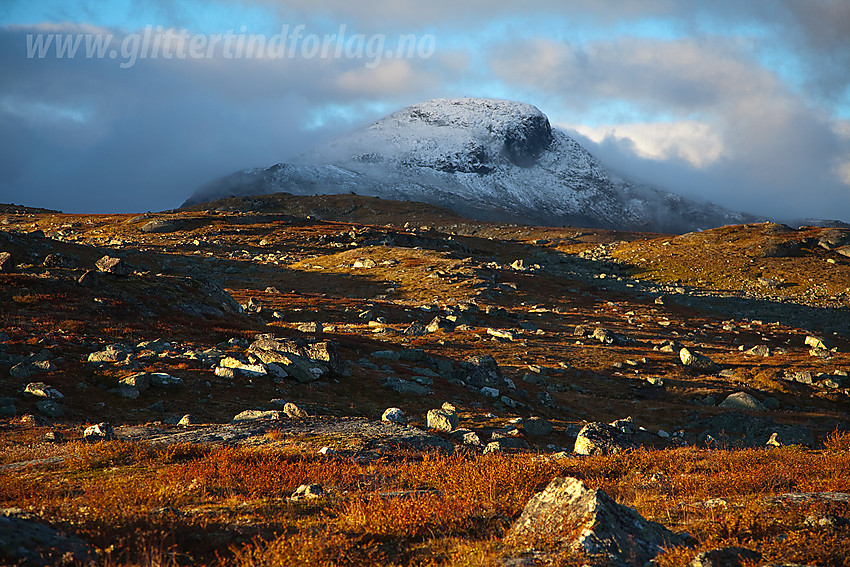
(779, 151)
(150, 134)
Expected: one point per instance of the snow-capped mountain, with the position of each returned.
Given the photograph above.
(485, 159)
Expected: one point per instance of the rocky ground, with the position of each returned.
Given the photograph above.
(296, 324)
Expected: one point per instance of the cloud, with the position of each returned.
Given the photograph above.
(692, 141)
(757, 140)
(83, 134)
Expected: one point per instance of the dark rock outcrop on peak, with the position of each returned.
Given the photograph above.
(485, 159)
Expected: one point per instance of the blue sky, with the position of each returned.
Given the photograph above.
(744, 103)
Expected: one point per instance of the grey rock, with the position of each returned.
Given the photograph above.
(161, 226)
(692, 359)
(626, 425)
(506, 444)
(112, 353)
(140, 381)
(21, 370)
(815, 342)
(442, 420)
(99, 432)
(308, 491)
(188, 419)
(725, 557)
(608, 337)
(401, 386)
(112, 265)
(6, 263)
(26, 540)
(606, 530)
(742, 400)
(736, 429)
(294, 411)
(394, 415)
(163, 380)
(312, 327)
(482, 371)
(49, 408)
(257, 415)
(758, 350)
(42, 390)
(597, 438)
(439, 324)
(7, 407)
(415, 329)
(537, 426)
(128, 392)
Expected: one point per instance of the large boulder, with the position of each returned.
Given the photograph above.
(25, 540)
(442, 420)
(112, 265)
(695, 360)
(597, 438)
(567, 515)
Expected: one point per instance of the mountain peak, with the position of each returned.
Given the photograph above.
(482, 158)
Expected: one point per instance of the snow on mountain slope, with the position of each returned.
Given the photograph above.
(486, 159)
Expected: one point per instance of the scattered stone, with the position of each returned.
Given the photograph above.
(313, 327)
(439, 324)
(99, 432)
(294, 411)
(112, 265)
(725, 557)
(21, 370)
(140, 381)
(607, 337)
(394, 415)
(537, 426)
(188, 419)
(568, 515)
(626, 426)
(482, 371)
(597, 438)
(758, 350)
(364, 263)
(6, 263)
(308, 491)
(128, 392)
(505, 444)
(163, 380)
(161, 226)
(442, 420)
(828, 521)
(54, 436)
(489, 392)
(692, 359)
(42, 390)
(736, 429)
(402, 386)
(222, 372)
(815, 342)
(415, 329)
(112, 353)
(742, 400)
(257, 415)
(26, 540)
(502, 334)
(242, 369)
(7, 407)
(49, 408)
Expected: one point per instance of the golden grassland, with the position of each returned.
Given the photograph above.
(188, 504)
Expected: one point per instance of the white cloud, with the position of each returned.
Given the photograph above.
(697, 143)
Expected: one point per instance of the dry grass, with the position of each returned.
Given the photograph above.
(229, 505)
